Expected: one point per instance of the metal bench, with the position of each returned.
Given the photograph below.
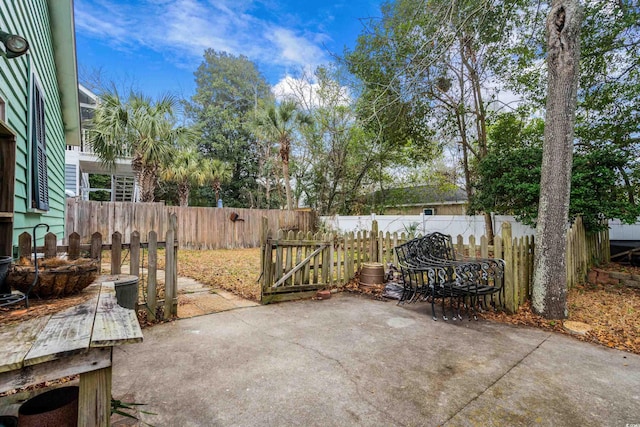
(431, 269)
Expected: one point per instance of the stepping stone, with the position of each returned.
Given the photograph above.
(577, 328)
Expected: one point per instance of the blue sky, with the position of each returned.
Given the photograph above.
(156, 45)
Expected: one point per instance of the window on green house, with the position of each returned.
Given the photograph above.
(39, 173)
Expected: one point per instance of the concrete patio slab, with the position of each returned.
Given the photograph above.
(351, 360)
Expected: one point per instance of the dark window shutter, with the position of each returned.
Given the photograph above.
(40, 181)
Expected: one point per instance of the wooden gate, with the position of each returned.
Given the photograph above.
(295, 265)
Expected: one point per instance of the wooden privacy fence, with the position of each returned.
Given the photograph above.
(135, 251)
(293, 265)
(198, 228)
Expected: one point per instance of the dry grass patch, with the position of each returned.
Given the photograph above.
(235, 270)
(612, 311)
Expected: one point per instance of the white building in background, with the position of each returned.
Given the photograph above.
(80, 161)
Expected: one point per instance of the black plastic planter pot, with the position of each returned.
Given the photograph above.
(127, 292)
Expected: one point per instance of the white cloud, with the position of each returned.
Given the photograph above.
(183, 29)
(306, 92)
(294, 49)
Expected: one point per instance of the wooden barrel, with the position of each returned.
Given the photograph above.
(372, 273)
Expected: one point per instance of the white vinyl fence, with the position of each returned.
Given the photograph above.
(454, 225)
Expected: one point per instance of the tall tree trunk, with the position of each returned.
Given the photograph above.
(183, 194)
(469, 60)
(285, 148)
(549, 294)
(148, 180)
(287, 184)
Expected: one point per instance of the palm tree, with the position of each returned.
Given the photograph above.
(217, 172)
(185, 169)
(140, 128)
(279, 123)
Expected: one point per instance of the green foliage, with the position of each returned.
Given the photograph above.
(509, 183)
(229, 91)
(140, 128)
(607, 118)
(186, 169)
(100, 181)
(509, 177)
(128, 409)
(596, 192)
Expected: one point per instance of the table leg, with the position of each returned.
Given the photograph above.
(94, 401)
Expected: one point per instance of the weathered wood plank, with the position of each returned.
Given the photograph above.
(24, 245)
(279, 256)
(152, 275)
(290, 296)
(298, 267)
(134, 254)
(66, 332)
(114, 324)
(17, 339)
(264, 227)
(116, 252)
(96, 246)
(54, 369)
(50, 242)
(289, 257)
(74, 246)
(94, 399)
(170, 275)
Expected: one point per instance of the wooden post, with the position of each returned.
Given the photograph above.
(352, 266)
(134, 265)
(339, 262)
(170, 273)
(134, 254)
(331, 260)
(373, 242)
(74, 246)
(152, 294)
(515, 251)
(264, 226)
(94, 399)
(96, 246)
(268, 266)
(116, 252)
(507, 244)
(359, 245)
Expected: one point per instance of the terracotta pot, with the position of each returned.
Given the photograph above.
(326, 294)
(54, 408)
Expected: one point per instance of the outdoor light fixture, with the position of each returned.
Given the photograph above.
(14, 45)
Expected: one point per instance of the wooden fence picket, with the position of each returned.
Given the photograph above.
(94, 249)
(116, 252)
(152, 282)
(343, 256)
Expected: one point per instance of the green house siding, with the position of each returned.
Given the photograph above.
(30, 19)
